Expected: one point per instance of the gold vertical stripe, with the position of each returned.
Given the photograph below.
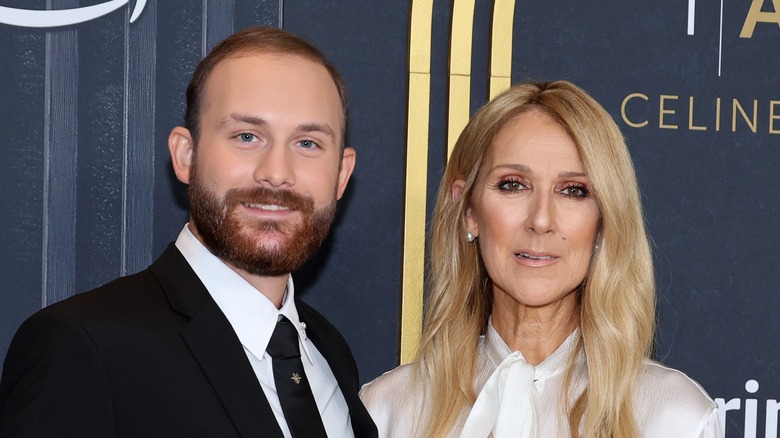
(460, 70)
(416, 177)
(501, 46)
(458, 108)
(499, 84)
(420, 37)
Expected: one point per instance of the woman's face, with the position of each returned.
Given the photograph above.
(534, 213)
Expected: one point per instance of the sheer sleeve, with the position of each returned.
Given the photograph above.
(394, 401)
(669, 403)
(712, 428)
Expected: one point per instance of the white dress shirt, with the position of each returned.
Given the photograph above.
(253, 317)
(667, 403)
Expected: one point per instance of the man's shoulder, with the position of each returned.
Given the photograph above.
(119, 295)
(127, 294)
(306, 311)
(325, 335)
(317, 324)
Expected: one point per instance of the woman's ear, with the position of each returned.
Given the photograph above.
(457, 189)
(469, 222)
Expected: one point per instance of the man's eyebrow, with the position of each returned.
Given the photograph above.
(317, 127)
(243, 118)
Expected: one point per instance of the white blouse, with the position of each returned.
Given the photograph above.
(666, 401)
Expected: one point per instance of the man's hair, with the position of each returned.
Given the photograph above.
(252, 41)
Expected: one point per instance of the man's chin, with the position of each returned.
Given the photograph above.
(260, 257)
(272, 240)
(271, 247)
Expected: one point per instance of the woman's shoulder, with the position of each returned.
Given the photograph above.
(393, 392)
(663, 382)
(667, 399)
(395, 402)
(391, 384)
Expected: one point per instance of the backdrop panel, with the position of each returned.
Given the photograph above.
(88, 193)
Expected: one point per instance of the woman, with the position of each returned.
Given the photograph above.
(540, 316)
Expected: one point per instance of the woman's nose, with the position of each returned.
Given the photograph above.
(540, 216)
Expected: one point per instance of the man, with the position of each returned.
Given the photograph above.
(184, 347)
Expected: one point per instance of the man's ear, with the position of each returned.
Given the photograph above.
(181, 147)
(469, 222)
(348, 157)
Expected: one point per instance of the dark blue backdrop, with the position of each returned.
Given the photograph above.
(88, 194)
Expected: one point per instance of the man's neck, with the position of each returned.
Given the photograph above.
(273, 287)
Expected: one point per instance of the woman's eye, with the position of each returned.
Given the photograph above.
(511, 186)
(307, 144)
(246, 137)
(575, 192)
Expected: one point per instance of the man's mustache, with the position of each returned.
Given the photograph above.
(262, 195)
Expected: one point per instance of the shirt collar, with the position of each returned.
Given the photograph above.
(251, 314)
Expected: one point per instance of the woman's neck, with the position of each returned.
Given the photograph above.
(535, 331)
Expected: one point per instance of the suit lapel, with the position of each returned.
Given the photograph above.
(216, 348)
(335, 350)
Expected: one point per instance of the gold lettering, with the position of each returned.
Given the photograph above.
(669, 111)
(623, 110)
(738, 107)
(773, 116)
(691, 126)
(662, 110)
(755, 15)
(717, 114)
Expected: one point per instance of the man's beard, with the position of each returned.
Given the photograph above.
(267, 248)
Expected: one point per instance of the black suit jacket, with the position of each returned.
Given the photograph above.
(149, 355)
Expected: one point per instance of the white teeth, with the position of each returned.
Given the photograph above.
(271, 207)
(532, 257)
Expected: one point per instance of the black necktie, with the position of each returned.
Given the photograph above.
(292, 386)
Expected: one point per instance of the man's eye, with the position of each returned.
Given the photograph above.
(246, 137)
(307, 144)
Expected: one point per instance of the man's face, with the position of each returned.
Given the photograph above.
(266, 176)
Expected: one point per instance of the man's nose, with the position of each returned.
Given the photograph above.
(275, 167)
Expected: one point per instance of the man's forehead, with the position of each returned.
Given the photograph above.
(255, 61)
(270, 57)
(216, 78)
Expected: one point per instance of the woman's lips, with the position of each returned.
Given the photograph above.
(535, 259)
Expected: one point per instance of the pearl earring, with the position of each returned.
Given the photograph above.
(470, 236)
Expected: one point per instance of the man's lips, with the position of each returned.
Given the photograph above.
(267, 207)
(272, 212)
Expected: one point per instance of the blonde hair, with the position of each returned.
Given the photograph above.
(617, 298)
